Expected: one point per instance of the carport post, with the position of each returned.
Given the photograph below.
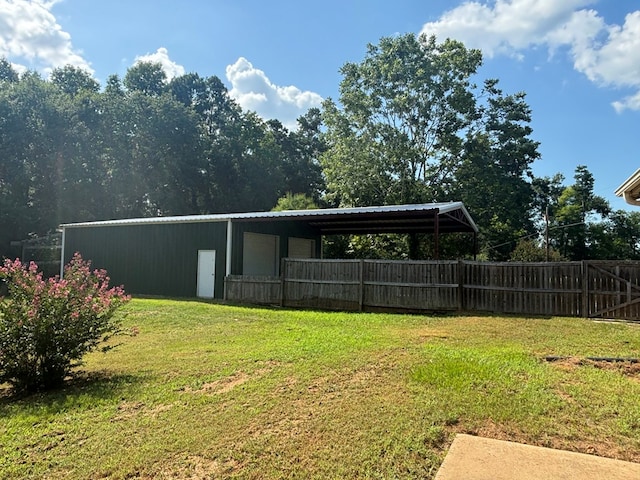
(475, 246)
(64, 231)
(227, 265)
(436, 233)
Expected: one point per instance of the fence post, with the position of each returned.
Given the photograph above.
(283, 275)
(361, 299)
(460, 285)
(585, 289)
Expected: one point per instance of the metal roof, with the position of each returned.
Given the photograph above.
(452, 217)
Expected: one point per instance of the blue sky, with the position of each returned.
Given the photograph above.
(577, 60)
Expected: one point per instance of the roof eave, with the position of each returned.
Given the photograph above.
(630, 189)
(632, 198)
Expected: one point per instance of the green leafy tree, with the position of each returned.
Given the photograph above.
(148, 78)
(295, 201)
(7, 72)
(32, 128)
(73, 80)
(578, 210)
(157, 170)
(494, 177)
(299, 154)
(626, 229)
(617, 237)
(413, 128)
(396, 138)
(529, 250)
(241, 166)
(114, 86)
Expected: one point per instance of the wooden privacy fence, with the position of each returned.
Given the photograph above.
(596, 289)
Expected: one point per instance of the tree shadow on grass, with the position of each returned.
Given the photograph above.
(81, 389)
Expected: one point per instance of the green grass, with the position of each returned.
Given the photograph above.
(212, 391)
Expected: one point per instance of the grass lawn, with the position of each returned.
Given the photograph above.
(212, 391)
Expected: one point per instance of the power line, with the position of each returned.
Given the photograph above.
(556, 227)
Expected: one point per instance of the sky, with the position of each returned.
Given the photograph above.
(578, 61)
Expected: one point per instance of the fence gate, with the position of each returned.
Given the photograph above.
(612, 290)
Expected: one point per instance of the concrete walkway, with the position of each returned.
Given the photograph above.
(477, 458)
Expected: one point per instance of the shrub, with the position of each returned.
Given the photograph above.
(48, 325)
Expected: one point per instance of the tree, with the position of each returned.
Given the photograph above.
(617, 237)
(73, 80)
(295, 201)
(7, 72)
(494, 176)
(32, 128)
(241, 160)
(114, 86)
(578, 209)
(155, 158)
(396, 138)
(148, 78)
(299, 154)
(414, 129)
(626, 233)
(528, 250)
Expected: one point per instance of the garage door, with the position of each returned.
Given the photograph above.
(301, 248)
(260, 254)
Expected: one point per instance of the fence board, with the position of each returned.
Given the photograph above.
(613, 290)
(253, 289)
(327, 284)
(523, 288)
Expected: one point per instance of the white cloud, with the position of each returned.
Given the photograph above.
(503, 26)
(628, 103)
(161, 56)
(609, 55)
(617, 61)
(253, 90)
(31, 37)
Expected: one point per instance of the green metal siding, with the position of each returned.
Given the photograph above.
(152, 259)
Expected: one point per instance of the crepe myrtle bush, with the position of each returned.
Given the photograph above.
(48, 325)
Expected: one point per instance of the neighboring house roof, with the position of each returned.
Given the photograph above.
(452, 217)
(630, 190)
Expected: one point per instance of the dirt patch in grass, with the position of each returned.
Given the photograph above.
(127, 410)
(630, 368)
(224, 385)
(196, 467)
(227, 384)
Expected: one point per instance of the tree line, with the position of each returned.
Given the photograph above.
(410, 126)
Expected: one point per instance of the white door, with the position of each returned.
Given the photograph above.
(206, 273)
